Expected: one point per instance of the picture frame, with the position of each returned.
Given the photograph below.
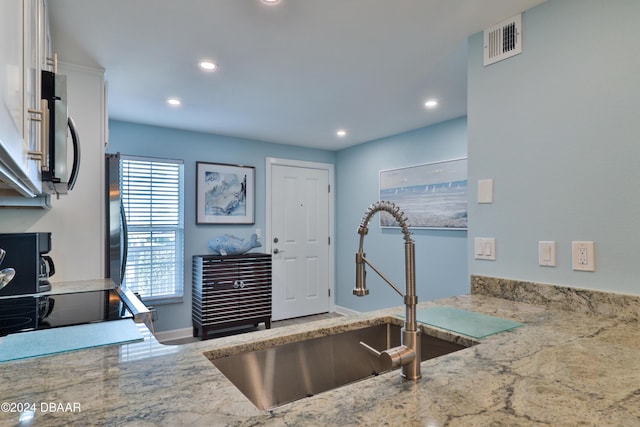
(432, 195)
(225, 194)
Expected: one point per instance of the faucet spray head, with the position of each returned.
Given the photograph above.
(361, 275)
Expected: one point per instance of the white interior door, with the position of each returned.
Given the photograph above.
(300, 240)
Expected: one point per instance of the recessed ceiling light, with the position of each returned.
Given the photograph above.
(270, 1)
(208, 65)
(341, 133)
(431, 103)
(174, 102)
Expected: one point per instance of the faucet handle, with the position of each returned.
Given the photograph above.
(398, 356)
(384, 358)
(393, 357)
(370, 349)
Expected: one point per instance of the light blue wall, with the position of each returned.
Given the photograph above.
(141, 140)
(441, 267)
(440, 255)
(557, 127)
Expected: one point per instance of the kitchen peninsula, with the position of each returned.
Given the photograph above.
(562, 368)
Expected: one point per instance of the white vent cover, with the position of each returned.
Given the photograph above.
(503, 40)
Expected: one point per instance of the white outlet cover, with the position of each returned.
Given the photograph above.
(583, 255)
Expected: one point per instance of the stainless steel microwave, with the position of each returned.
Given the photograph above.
(56, 170)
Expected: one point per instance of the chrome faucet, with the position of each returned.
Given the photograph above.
(406, 355)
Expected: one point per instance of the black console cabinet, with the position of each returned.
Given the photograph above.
(230, 290)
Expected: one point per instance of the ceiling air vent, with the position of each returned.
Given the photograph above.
(503, 40)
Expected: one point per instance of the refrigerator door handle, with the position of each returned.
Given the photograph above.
(125, 244)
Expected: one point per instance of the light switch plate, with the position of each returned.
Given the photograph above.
(547, 253)
(485, 191)
(485, 248)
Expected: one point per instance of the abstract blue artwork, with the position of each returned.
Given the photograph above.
(224, 193)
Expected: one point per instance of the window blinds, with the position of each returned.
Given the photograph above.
(152, 192)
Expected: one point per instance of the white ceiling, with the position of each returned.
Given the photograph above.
(293, 73)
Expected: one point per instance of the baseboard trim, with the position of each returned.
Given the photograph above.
(345, 311)
(175, 334)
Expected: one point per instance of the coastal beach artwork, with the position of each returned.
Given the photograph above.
(224, 193)
(431, 195)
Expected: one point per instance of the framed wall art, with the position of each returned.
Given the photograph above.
(432, 195)
(225, 194)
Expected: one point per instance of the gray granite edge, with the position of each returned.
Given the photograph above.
(586, 301)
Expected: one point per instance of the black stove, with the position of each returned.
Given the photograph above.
(34, 312)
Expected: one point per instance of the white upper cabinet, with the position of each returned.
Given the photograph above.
(35, 27)
(24, 47)
(11, 82)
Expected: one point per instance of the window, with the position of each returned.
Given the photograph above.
(152, 192)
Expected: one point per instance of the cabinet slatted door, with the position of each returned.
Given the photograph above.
(231, 290)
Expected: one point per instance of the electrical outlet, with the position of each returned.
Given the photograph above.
(583, 259)
(583, 255)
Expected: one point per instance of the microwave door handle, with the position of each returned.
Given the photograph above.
(76, 153)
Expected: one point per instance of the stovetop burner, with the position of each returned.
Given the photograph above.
(13, 324)
(29, 313)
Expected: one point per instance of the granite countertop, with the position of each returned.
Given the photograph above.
(562, 368)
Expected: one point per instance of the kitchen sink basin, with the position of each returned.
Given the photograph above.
(281, 374)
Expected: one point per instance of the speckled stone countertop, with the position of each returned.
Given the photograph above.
(563, 368)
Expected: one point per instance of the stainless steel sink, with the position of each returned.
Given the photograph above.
(274, 376)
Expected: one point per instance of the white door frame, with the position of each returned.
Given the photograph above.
(268, 240)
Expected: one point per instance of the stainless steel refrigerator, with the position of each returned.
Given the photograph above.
(116, 222)
(116, 242)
